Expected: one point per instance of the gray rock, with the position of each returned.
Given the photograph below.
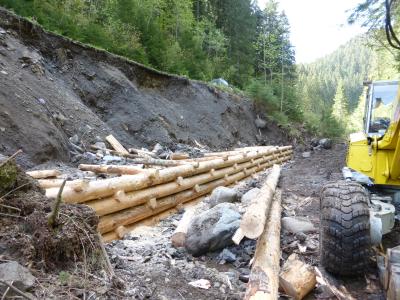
(226, 256)
(158, 149)
(298, 224)
(306, 154)
(89, 156)
(100, 145)
(19, 276)
(260, 123)
(222, 194)
(249, 196)
(314, 142)
(326, 143)
(213, 229)
(74, 139)
(111, 158)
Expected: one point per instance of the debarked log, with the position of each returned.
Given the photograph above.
(107, 187)
(121, 200)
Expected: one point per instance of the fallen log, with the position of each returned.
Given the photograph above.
(52, 183)
(178, 156)
(107, 187)
(297, 278)
(41, 174)
(130, 199)
(253, 220)
(115, 144)
(114, 169)
(179, 236)
(142, 152)
(110, 222)
(264, 276)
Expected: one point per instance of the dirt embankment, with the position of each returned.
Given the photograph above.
(53, 88)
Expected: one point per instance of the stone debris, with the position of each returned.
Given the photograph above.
(222, 194)
(297, 225)
(212, 229)
(249, 196)
(20, 277)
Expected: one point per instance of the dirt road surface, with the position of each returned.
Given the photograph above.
(156, 270)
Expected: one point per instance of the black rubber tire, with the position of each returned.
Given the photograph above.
(345, 242)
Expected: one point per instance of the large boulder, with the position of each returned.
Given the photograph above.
(297, 225)
(222, 194)
(249, 196)
(17, 275)
(212, 229)
(260, 123)
(326, 143)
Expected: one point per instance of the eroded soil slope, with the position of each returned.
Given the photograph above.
(53, 88)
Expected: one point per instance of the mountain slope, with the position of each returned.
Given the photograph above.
(53, 88)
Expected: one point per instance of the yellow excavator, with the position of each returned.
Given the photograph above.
(356, 212)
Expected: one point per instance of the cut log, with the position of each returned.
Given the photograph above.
(41, 174)
(142, 152)
(178, 156)
(179, 236)
(114, 169)
(110, 222)
(107, 187)
(115, 144)
(50, 183)
(264, 276)
(253, 220)
(297, 278)
(113, 204)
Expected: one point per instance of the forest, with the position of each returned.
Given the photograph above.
(235, 40)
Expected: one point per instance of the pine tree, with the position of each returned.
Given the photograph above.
(339, 108)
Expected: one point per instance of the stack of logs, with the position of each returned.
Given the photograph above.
(141, 193)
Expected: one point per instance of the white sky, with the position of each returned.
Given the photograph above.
(318, 27)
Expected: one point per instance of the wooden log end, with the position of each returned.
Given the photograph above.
(238, 236)
(121, 231)
(152, 203)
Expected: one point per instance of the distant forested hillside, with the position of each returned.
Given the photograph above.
(331, 88)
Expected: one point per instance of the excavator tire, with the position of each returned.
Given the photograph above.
(345, 242)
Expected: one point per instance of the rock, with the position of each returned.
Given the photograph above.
(111, 158)
(74, 139)
(222, 194)
(89, 157)
(158, 149)
(226, 256)
(19, 276)
(260, 123)
(301, 236)
(213, 229)
(249, 196)
(298, 224)
(100, 145)
(306, 154)
(314, 142)
(326, 143)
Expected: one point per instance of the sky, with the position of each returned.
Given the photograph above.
(318, 27)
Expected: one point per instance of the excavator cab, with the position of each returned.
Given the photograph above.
(380, 107)
(358, 210)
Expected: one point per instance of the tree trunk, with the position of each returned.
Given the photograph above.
(253, 221)
(264, 276)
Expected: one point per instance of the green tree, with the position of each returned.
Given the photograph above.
(339, 108)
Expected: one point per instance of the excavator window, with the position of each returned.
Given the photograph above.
(382, 105)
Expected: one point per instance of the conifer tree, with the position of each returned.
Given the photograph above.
(339, 108)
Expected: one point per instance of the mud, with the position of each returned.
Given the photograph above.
(53, 88)
(71, 248)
